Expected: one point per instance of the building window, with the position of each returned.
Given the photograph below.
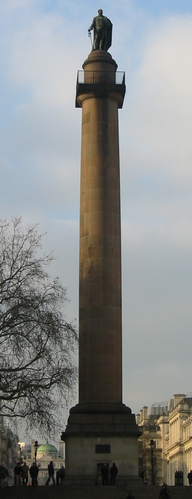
(102, 449)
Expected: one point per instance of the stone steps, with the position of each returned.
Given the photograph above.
(92, 492)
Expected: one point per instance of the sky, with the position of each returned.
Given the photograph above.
(43, 43)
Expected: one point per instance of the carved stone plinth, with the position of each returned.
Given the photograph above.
(98, 434)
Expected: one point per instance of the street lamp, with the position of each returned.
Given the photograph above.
(152, 446)
(36, 445)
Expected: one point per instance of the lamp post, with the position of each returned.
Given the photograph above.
(36, 445)
(152, 446)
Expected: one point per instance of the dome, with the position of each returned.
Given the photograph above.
(47, 449)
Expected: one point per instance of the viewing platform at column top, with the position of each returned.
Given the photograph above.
(100, 84)
(99, 78)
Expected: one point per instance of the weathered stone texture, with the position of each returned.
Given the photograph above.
(100, 365)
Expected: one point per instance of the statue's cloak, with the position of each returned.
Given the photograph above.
(107, 39)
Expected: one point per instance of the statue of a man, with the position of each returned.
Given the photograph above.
(102, 30)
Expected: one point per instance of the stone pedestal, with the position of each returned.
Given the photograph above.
(98, 434)
(100, 428)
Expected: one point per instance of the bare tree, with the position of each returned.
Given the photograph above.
(37, 344)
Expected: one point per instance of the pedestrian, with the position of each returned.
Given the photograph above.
(164, 494)
(61, 474)
(105, 474)
(113, 474)
(142, 475)
(24, 473)
(129, 496)
(18, 472)
(34, 470)
(3, 475)
(51, 473)
(189, 476)
(58, 477)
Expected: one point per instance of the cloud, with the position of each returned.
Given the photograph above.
(156, 179)
(158, 107)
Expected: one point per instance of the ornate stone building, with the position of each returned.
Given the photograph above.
(178, 445)
(165, 446)
(150, 448)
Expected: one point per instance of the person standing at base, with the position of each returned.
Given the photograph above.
(129, 496)
(105, 474)
(18, 471)
(34, 470)
(24, 474)
(164, 494)
(189, 476)
(51, 473)
(62, 474)
(58, 477)
(3, 475)
(113, 474)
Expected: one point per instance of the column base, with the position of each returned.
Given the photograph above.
(98, 434)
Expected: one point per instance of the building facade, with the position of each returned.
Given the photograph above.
(165, 446)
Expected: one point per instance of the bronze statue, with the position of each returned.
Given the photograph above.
(102, 32)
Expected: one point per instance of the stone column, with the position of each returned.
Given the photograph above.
(100, 328)
(100, 429)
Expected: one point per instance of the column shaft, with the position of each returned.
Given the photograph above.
(100, 324)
